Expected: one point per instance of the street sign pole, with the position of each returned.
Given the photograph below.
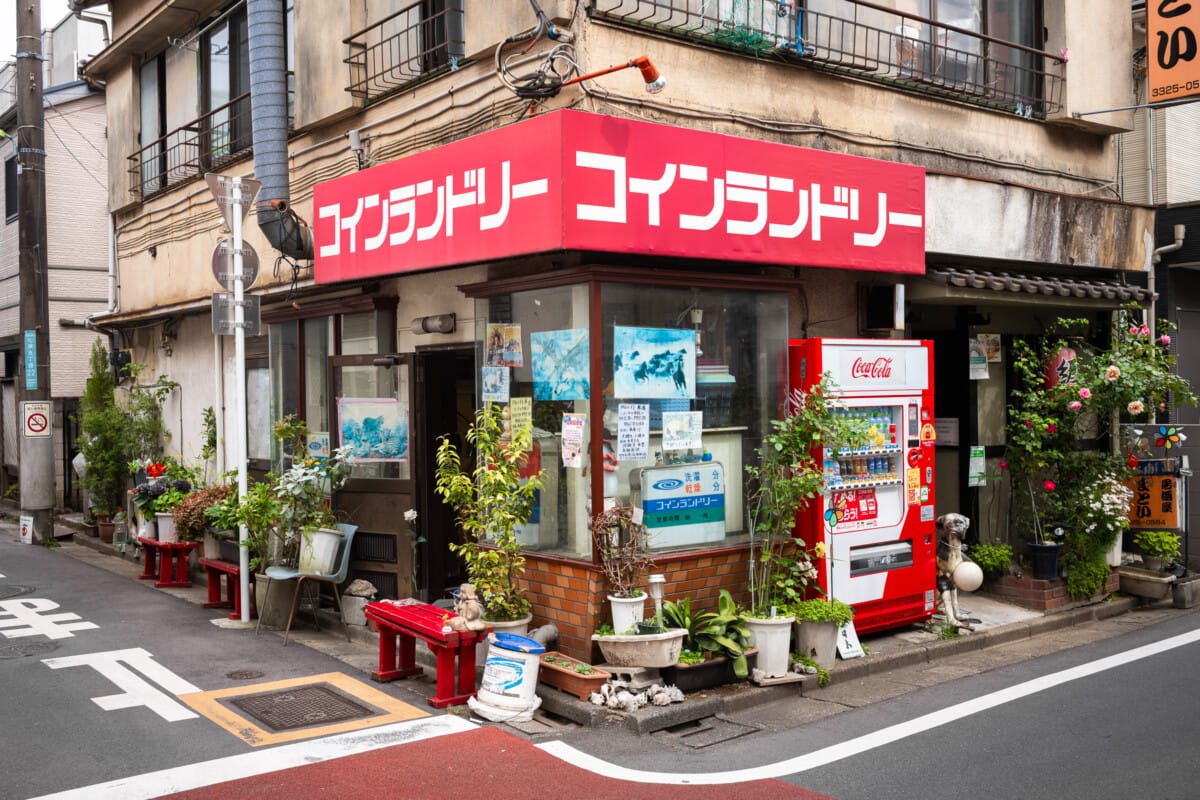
(239, 382)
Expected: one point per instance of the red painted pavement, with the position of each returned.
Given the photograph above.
(483, 763)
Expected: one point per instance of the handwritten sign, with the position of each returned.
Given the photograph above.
(682, 430)
(520, 413)
(633, 431)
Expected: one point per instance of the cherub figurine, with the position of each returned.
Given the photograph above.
(468, 609)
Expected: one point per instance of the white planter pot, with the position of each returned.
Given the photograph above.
(148, 529)
(649, 650)
(627, 612)
(773, 638)
(318, 551)
(166, 527)
(818, 641)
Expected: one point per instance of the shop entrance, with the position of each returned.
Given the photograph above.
(393, 410)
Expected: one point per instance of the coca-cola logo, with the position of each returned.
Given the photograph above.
(879, 368)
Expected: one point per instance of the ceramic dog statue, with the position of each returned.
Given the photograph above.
(952, 529)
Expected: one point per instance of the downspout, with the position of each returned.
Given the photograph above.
(268, 99)
(77, 8)
(1180, 230)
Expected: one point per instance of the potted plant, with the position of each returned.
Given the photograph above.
(1158, 548)
(491, 500)
(992, 557)
(571, 675)
(622, 546)
(789, 474)
(716, 649)
(191, 516)
(817, 624)
(1069, 393)
(304, 507)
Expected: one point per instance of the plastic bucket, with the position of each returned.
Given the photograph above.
(318, 551)
(510, 675)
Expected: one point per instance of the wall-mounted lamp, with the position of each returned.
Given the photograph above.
(655, 82)
(438, 323)
(356, 147)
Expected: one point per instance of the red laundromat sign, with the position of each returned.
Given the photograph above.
(571, 180)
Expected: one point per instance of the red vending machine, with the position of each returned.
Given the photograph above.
(876, 516)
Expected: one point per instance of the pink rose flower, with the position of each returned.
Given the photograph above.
(1074, 405)
(1049, 486)
(1145, 329)
(1165, 339)
(1003, 465)
(1112, 373)
(1085, 393)
(1133, 330)
(1135, 407)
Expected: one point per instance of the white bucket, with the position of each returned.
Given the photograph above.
(627, 612)
(510, 675)
(318, 551)
(773, 638)
(166, 527)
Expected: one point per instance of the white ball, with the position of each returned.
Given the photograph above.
(968, 576)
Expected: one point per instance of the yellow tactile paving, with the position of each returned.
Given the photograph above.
(245, 728)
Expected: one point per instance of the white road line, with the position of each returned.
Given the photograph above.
(862, 744)
(246, 765)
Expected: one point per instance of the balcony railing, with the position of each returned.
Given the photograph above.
(412, 44)
(869, 41)
(205, 144)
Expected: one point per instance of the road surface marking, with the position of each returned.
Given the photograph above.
(870, 741)
(245, 728)
(29, 619)
(136, 691)
(259, 762)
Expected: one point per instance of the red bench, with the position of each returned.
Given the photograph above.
(215, 571)
(401, 623)
(172, 562)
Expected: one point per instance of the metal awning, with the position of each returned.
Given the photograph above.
(1029, 286)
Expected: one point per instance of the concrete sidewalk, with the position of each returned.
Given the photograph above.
(999, 627)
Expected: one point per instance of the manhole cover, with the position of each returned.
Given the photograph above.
(13, 590)
(25, 649)
(244, 675)
(300, 708)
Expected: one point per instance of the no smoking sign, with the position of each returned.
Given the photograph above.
(36, 418)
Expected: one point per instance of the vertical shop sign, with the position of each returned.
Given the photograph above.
(1172, 52)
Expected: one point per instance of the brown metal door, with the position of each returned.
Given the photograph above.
(372, 413)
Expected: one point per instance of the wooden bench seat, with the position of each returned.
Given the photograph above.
(216, 571)
(401, 623)
(166, 561)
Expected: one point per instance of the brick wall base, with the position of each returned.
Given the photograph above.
(1042, 595)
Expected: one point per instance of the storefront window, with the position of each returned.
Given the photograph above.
(689, 379)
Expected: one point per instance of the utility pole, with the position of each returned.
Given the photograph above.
(33, 391)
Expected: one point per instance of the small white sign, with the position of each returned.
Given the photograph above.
(37, 420)
(26, 530)
(847, 643)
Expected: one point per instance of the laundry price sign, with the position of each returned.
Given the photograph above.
(36, 420)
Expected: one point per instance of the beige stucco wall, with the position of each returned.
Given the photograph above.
(1096, 38)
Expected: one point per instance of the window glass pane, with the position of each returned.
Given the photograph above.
(731, 370)
(285, 377)
(258, 410)
(316, 373)
(358, 334)
(375, 421)
(151, 125)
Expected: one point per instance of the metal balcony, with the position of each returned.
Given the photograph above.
(864, 40)
(413, 44)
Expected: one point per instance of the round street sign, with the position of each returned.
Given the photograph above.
(222, 264)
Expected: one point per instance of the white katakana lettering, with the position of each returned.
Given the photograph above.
(703, 222)
(29, 619)
(135, 690)
(751, 189)
(844, 206)
(654, 190)
(797, 227)
(615, 165)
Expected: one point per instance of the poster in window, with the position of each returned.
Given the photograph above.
(495, 383)
(374, 428)
(654, 362)
(504, 345)
(560, 364)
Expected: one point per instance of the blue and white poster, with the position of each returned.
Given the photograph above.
(654, 362)
(560, 364)
(375, 429)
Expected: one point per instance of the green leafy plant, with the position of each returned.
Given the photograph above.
(948, 632)
(259, 511)
(491, 501)
(167, 502)
(1157, 544)
(691, 656)
(992, 557)
(604, 629)
(304, 489)
(823, 676)
(104, 437)
(788, 475)
(143, 409)
(722, 632)
(1086, 578)
(822, 610)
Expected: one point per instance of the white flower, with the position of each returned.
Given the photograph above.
(410, 516)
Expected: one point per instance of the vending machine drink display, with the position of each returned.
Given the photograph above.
(876, 515)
